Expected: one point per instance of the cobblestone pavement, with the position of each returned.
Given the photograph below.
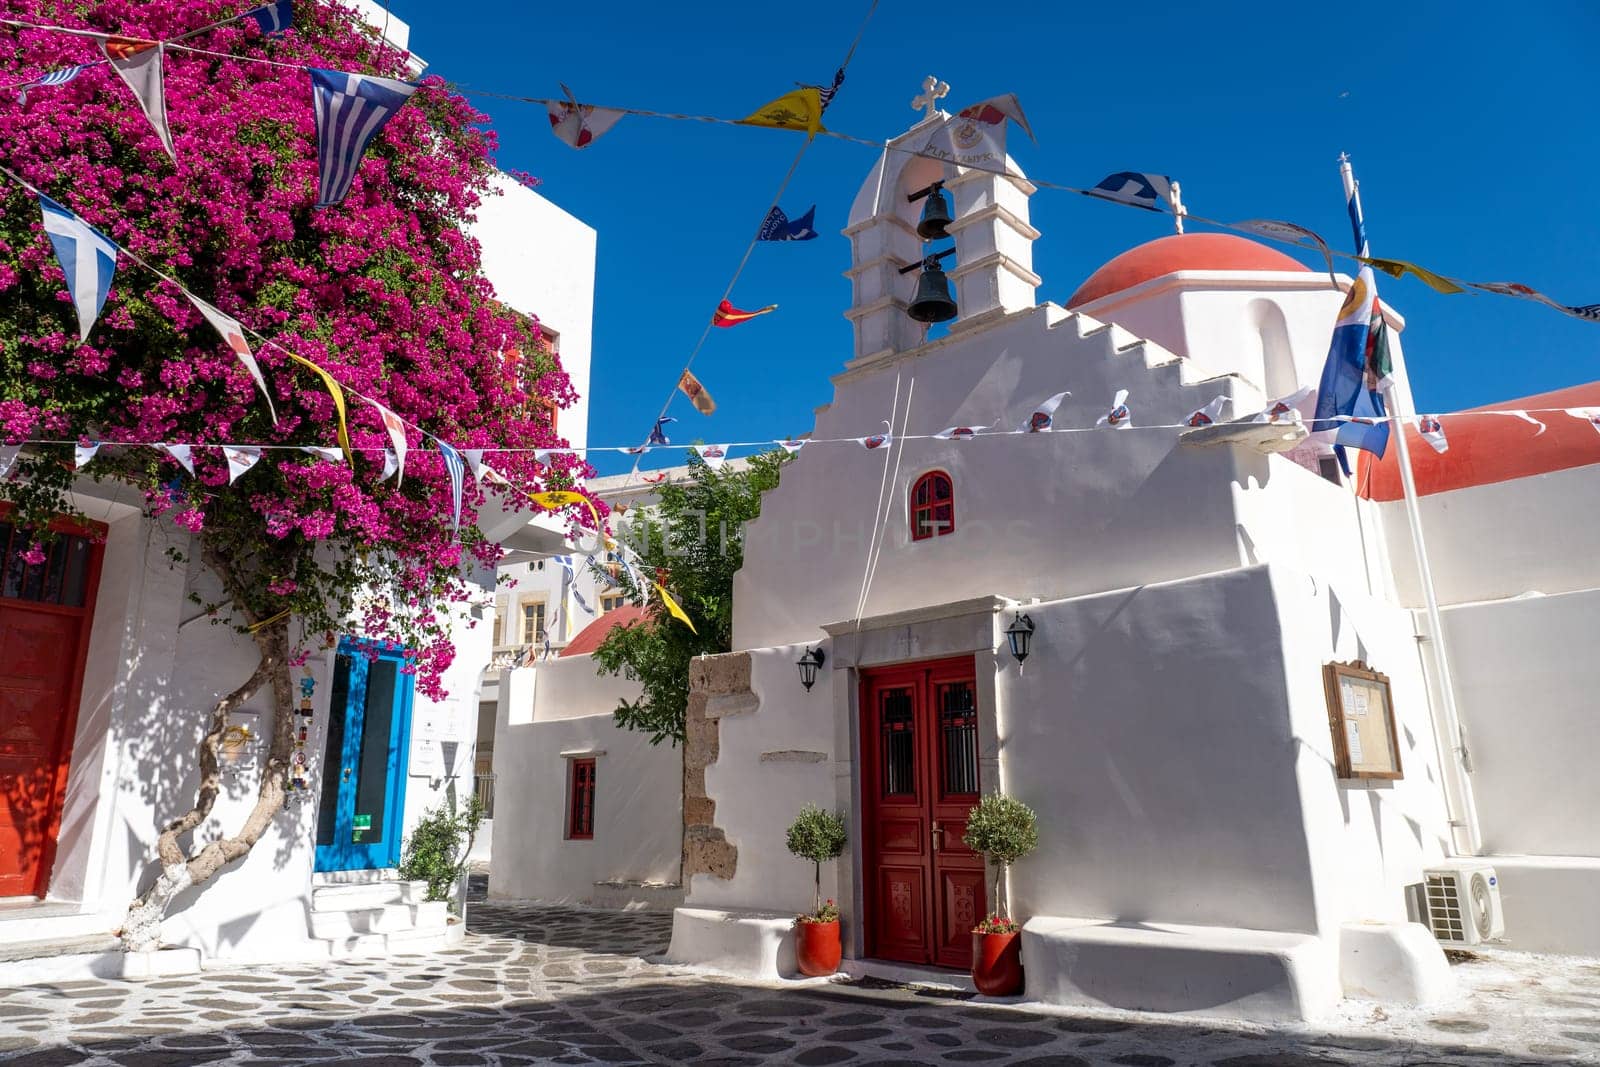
(561, 985)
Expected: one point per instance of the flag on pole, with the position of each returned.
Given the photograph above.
(273, 18)
(691, 388)
(1043, 418)
(82, 454)
(1207, 415)
(1351, 375)
(456, 469)
(233, 334)
(578, 125)
(1134, 187)
(182, 454)
(728, 315)
(713, 456)
(959, 433)
(88, 258)
(396, 427)
(54, 77)
(240, 459)
(350, 109)
(1432, 431)
(799, 109)
(777, 226)
(1119, 417)
(139, 63)
(658, 432)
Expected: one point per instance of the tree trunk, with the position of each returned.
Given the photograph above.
(142, 929)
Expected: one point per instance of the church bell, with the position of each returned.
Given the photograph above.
(935, 216)
(934, 302)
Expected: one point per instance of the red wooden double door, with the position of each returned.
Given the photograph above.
(923, 888)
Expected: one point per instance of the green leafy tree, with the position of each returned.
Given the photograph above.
(1004, 829)
(692, 542)
(818, 836)
(436, 853)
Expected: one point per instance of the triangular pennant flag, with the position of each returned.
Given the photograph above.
(727, 315)
(456, 469)
(182, 454)
(8, 458)
(1432, 431)
(578, 124)
(1134, 187)
(791, 446)
(391, 465)
(88, 258)
(1525, 417)
(995, 110)
(691, 388)
(139, 64)
(976, 136)
(713, 456)
(350, 109)
(542, 456)
(658, 434)
(1119, 417)
(1589, 415)
(338, 401)
(1286, 409)
(673, 609)
(582, 603)
(1207, 415)
(1043, 418)
(233, 334)
(1399, 268)
(1293, 233)
(653, 479)
(82, 454)
(396, 427)
(800, 109)
(272, 18)
(474, 458)
(777, 226)
(877, 440)
(332, 455)
(959, 433)
(240, 459)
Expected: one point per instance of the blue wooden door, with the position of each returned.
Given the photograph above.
(359, 820)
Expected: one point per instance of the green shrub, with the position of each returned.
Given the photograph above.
(1004, 829)
(817, 835)
(435, 852)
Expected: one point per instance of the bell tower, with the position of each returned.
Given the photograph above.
(992, 269)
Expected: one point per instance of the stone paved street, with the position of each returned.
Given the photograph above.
(560, 985)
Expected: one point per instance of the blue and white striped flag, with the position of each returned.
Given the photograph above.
(350, 110)
(1131, 187)
(88, 258)
(54, 77)
(457, 469)
(273, 18)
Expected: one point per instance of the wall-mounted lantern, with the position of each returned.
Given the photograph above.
(808, 665)
(1020, 636)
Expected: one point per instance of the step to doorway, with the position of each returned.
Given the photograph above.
(936, 980)
(378, 916)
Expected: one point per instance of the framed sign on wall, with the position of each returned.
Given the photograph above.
(1361, 716)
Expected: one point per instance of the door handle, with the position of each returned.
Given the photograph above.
(347, 774)
(937, 834)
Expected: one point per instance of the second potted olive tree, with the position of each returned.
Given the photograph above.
(1004, 829)
(818, 836)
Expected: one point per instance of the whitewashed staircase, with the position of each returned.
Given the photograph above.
(377, 913)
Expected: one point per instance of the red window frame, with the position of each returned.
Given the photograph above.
(931, 514)
(580, 799)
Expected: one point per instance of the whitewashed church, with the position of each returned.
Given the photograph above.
(1253, 786)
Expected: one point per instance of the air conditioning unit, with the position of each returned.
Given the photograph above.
(1463, 900)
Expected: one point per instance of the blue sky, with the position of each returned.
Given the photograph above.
(1470, 125)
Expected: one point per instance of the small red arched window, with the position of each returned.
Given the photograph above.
(933, 506)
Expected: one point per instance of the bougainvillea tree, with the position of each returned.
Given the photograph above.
(385, 292)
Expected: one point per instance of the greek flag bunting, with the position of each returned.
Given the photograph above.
(1132, 187)
(456, 468)
(274, 17)
(54, 77)
(88, 258)
(350, 110)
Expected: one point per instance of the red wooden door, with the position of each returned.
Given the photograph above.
(923, 888)
(45, 611)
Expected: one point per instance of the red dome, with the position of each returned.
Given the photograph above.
(1485, 449)
(588, 639)
(1187, 251)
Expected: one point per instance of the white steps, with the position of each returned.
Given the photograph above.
(378, 917)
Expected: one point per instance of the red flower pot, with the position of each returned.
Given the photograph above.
(816, 948)
(997, 964)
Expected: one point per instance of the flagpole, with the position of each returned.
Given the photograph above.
(1453, 746)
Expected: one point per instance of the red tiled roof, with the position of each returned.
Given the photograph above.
(588, 639)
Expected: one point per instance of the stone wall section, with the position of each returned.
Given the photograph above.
(718, 686)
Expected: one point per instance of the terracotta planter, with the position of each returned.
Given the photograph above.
(997, 964)
(816, 948)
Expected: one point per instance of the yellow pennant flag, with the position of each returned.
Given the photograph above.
(338, 402)
(555, 498)
(674, 610)
(1397, 268)
(800, 109)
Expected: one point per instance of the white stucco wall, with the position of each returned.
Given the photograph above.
(548, 714)
(1526, 677)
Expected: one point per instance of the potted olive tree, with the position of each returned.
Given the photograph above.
(1004, 829)
(817, 835)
